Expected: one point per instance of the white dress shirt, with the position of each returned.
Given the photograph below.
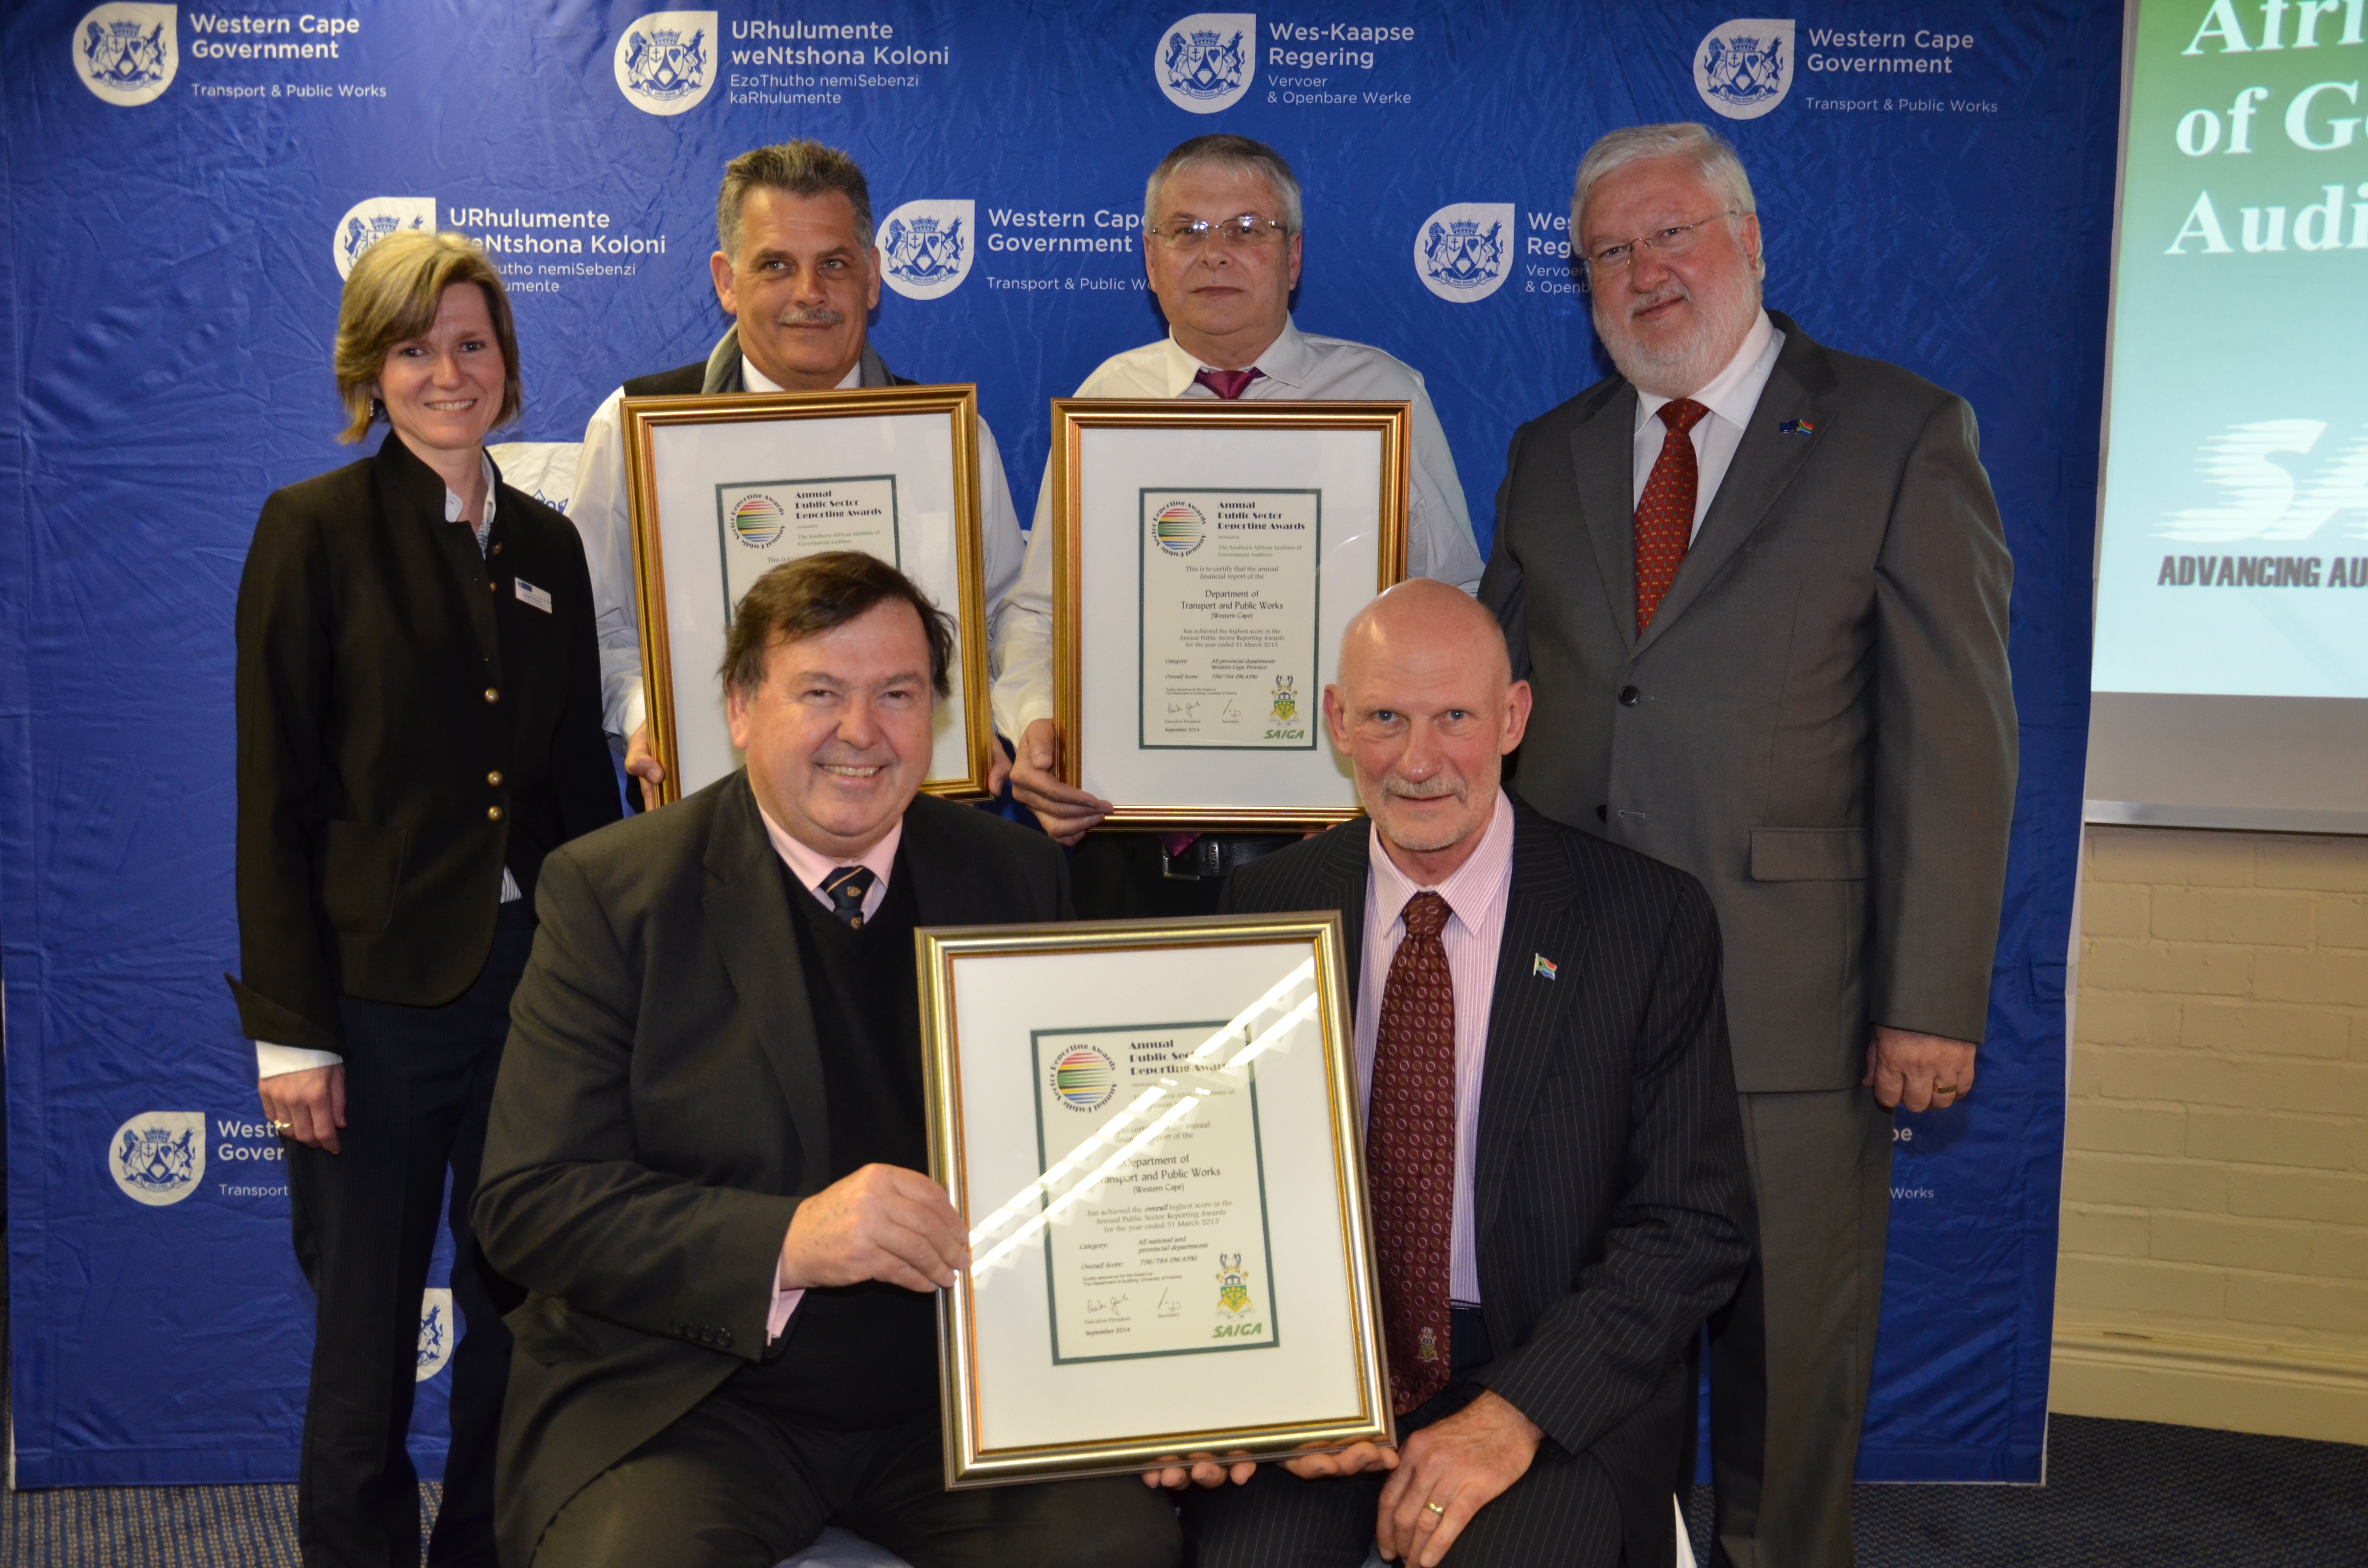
(1731, 396)
(1476, 896)
(271, 1060)
(810, 866)
(601, 510)
(1296, 366)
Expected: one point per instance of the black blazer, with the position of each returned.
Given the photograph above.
(408, 724)
(660, 1115)
(1610, 1194)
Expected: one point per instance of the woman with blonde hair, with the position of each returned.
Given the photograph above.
(418, 725)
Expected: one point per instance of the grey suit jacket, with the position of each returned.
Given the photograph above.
(660, 1115)
(1819, 722)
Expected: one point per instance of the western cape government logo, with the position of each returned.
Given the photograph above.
(1179, 527)
(367, 222)
(1084, 1078)
(1463, 251)
(437, 1333)
(758, 521)
(126, 54)
(1744, 68)
(666, 62)
(1207, 61)
(159, 1156)
(925, 248)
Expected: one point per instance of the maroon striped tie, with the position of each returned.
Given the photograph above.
(1410, 1152)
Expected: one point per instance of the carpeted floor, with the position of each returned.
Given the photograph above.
(2120, 1494)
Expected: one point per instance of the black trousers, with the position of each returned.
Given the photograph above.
(418, 1084)
(1564, 1511)
(733, 1485)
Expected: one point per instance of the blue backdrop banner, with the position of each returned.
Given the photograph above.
(186, 186)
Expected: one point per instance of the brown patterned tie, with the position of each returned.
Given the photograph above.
(1665, 515)
(1410, 1150)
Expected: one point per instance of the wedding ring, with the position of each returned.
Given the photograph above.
(281, 1126)
(1944, 1088)
(1435, 1509)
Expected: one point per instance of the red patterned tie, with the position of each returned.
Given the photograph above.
(1410, 1152)
(1665, 518)
(1229, 384)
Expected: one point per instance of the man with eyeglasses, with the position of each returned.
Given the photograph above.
(1222, 247)
(1759, 588)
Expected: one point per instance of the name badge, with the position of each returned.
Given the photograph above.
(528, 593)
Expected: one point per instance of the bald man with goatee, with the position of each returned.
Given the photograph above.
(1538, 1035)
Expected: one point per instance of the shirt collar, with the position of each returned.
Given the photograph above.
(492, 484)
(810, 865)
(755, 380)
(1733, 392)
(1287, 359)
(1469, 892)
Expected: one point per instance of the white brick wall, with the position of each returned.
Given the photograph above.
(2215, 1177)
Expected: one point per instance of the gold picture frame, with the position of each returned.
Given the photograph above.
(1025, 1028)
(1253, 438)
(675, 447)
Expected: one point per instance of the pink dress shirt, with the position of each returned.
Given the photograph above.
(810, 866)
(1476, 895)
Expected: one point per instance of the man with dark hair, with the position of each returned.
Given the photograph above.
(707, 1153)
(796, 268)
(1221, 244)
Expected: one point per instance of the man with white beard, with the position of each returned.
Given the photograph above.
(1760, 590)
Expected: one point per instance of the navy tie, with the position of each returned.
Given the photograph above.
(846, 889)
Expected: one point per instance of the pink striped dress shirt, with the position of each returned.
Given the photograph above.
(1475, 931)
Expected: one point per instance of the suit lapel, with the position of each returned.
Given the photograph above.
(749, 918)
(1525, 1012)
(1602, 450)
(949, 887)
(1341, 885)
(1764, 466)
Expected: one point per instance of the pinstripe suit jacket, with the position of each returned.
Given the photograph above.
(1610, 1189)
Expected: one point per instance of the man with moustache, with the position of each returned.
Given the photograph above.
(796, 269)
(1555, 1169)
(1761, 588)
(708, 1154)
(1221, 244)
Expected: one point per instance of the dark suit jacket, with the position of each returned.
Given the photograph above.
(381, 788)
(660, 1115)
(1610, 1194)
(1819, 722)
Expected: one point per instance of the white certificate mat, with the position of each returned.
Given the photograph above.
(1152, 1140)
(1213, 555)
(735, 486)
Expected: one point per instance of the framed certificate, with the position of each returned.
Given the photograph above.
(724, 488)
(1151, 1130)
(1206, 558)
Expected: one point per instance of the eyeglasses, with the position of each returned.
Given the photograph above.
(1244, 233)
(1604, 261)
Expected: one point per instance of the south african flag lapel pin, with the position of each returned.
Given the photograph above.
(1796, 427)
(1543, 966)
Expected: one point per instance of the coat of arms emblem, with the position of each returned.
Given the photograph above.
(926, 247)
(126, 53)
(1286, 699)
(1459, 255)
(666, 62)
(159, 1157)
(1205, 61)
(1233, 1285)
(1744, 68)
